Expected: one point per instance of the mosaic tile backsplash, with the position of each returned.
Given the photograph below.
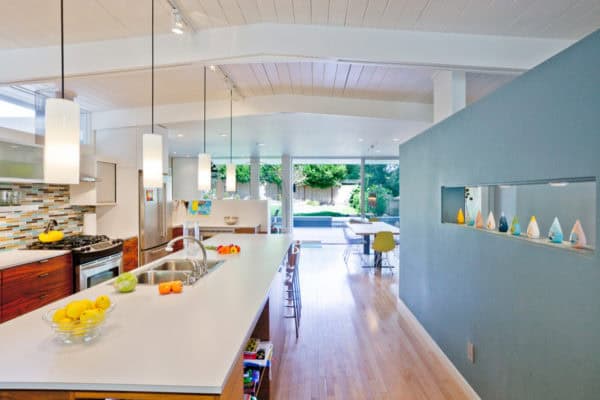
(18, 229)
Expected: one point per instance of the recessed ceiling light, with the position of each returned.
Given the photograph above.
(377, 151)
(360, 139)
(180, 135)
(260, 144)
(212, 68)
(395, 139)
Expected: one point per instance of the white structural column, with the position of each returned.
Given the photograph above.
(255, 178)
(449, 93)
(287, 193)
(363, 208)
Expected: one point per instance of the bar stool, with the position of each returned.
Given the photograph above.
(292, 291)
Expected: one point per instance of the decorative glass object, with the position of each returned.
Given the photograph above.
(515, 227)
(533, 230)
(460, 217)
(555, 234)
(491, 222)
(577, 236)
(479, 220)
(503, 223)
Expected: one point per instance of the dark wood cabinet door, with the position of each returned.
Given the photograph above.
(177, 231)
(130, 254)
(30, 286)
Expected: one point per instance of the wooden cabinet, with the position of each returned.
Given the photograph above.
(246, 230)
(176, 232)
(27, 287)
(130, 254)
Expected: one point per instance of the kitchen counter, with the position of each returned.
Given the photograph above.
(222, 226)
(185, 343)
(12, 258)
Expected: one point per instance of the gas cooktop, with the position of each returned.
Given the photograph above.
(75, 242)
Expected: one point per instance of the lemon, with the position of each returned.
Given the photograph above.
(75, 308)
(103, 302)
(65, 324)
(88, 303)
(90, 317)
(59, 314)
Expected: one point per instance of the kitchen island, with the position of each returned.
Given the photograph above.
(179, 346)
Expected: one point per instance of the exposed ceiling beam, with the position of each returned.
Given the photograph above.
(261, 105)
(280, 42)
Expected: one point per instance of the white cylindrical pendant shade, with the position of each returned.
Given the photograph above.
(61, 146)
(204, 172)
(152, 160)
(230, 180)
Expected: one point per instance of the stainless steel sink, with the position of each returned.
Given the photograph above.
(175, 265)
(174, 270)
(156, 277)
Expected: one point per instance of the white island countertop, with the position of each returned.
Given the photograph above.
(178, 343)
(12, 258)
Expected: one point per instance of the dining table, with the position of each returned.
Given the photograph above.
(368, 229)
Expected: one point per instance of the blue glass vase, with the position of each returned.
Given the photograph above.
(503, 223)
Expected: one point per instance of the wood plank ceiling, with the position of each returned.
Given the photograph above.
(31, 23)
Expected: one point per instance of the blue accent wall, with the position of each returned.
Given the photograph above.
(533, 312)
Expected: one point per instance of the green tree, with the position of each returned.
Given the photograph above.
(382, 196)
(242, 173)
(352, 171)
(323, 176)
(271, 174)
(386, 175)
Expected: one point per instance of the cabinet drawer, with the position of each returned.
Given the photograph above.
(29, 286)
(31, 301)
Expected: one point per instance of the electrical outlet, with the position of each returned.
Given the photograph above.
(471, 352)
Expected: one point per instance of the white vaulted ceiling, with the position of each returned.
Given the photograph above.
(303, 70)
(34, 23)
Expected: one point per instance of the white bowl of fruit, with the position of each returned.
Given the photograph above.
(80, 320)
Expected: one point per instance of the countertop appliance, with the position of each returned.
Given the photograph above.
(96, 258)
(155, 208)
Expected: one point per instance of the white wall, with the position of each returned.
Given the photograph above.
(122, 145)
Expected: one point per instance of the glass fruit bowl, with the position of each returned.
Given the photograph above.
(81, 330)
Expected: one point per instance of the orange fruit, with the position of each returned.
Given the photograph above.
(164, 288)
(177, 286)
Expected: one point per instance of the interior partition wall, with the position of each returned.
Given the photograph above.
(531, 311)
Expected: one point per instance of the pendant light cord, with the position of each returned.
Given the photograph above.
(152, 108)
(62, 50)
(231, 126)
(204, 115)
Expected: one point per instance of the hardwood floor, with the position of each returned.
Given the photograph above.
(358, 340)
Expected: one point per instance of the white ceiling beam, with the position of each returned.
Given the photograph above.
(280, 42)
(261, 105)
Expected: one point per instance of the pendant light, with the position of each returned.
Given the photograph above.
(204, 162)
(152, 146)
(61, 144)
(230, 180)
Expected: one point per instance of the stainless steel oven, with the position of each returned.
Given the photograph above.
(97, 271)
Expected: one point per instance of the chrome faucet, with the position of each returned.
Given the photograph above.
(199, 270)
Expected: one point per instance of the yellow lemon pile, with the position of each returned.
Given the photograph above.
(80, 315)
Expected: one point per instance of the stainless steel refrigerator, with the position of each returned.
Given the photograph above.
(155, 207)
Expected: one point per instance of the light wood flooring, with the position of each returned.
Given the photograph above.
(357, 339)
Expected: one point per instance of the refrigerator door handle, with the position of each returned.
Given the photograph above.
(164, 210)
(160, 217)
